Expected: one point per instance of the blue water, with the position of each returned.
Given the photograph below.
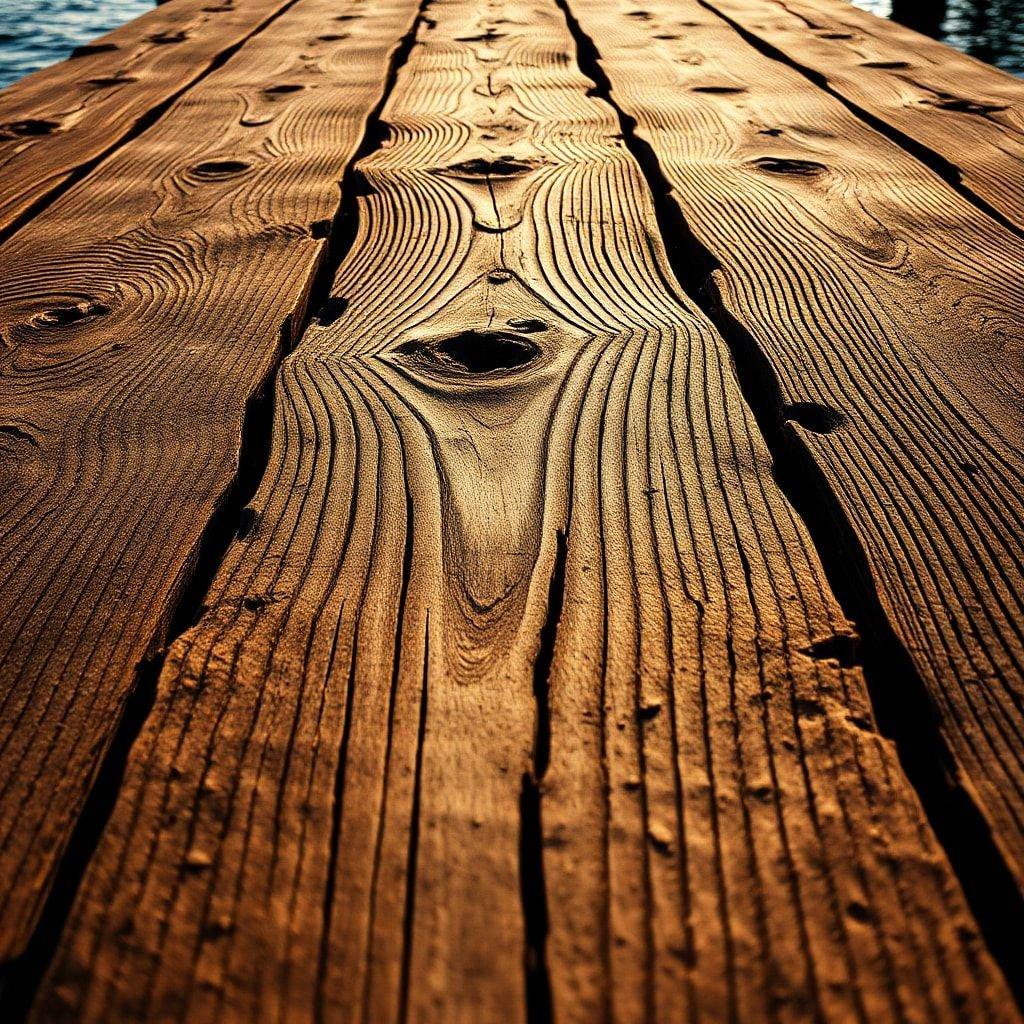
(34, 33)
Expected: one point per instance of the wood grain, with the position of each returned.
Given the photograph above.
(891, 314)
(58, 122)
(964, 117)
(514, 695)
(141, 313)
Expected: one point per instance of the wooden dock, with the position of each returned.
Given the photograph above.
(572, 574)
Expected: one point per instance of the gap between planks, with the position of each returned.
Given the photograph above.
(624, 1000)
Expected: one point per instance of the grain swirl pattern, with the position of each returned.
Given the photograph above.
(58, 122)
(140, 315)
(963, 117)
(511, 695)
(890, 311)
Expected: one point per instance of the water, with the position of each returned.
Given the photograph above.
(34, 33)
(991, 30)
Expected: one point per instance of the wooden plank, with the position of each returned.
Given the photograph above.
(890, 312)
(963, 117)
(141, 314)
(514, 700)
(60, 121)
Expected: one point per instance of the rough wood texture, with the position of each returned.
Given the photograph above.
(963, 117)
(140, 314)
(61, 120)
(521, 666)
(892, 314)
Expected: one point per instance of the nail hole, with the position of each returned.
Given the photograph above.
(220, 168)
(858, 912)
(331, 311)
(62, 316)
(813, 416)
(31, 127)
(527, 326)
(783, 165)
(841, 647)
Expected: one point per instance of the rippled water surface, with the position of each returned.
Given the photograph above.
(34, 33)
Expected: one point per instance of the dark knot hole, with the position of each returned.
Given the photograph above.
(477, 351)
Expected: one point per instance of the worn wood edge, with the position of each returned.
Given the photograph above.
(141, 552)
(722, 184)
(212, 662)
(962, 118)
(60, 121)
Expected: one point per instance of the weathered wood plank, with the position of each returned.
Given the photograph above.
(965, 118)
(892, 314)
(520, 666)
(62, 119)
(141, 313)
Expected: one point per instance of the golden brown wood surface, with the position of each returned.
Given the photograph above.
(439, 607)
(142, 314)
(891, 314)
(516, 699)
(963, 118)
(58, 122)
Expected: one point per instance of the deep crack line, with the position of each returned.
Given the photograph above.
(902, 706)
(532, 884)
(231, 518)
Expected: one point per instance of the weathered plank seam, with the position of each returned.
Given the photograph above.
(143, 124)
(20, 980)
(899, 698)
(539, 1008)
(935, 162)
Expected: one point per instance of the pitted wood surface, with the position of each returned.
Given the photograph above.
(58, 122)
(142, 313)
(960, 116)
(518, 691)
(518, 529)
(877, 292)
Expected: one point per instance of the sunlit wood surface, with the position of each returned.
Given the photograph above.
(571, 573)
